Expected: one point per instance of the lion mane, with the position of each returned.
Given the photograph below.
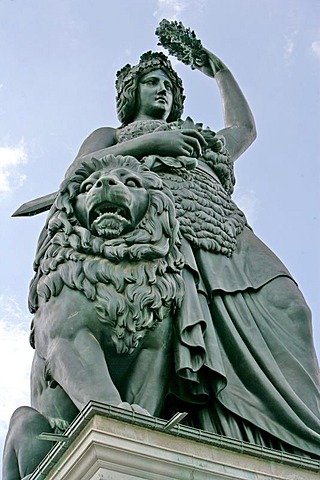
(135, 280)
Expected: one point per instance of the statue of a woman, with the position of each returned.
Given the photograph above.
(244, 355)
(245, 365)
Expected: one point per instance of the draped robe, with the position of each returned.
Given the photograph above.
(243, 352)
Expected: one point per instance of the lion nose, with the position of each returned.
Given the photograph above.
(107, 181)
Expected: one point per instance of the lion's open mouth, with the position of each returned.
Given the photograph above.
(109, 220)
(106, 209)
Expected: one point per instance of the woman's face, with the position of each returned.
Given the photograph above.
(154, 96)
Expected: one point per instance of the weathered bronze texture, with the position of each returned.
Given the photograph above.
(152, 293)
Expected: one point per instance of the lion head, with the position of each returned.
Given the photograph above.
(112, 234)
(112, 201)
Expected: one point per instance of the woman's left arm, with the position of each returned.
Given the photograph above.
(239, 130)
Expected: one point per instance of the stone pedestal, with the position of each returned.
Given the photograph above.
(108, 443)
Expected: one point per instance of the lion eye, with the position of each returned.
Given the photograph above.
(86, 187)
(133, 182)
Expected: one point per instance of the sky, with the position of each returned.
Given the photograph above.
(58, 60)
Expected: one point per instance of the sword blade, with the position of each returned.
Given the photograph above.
(33, 207)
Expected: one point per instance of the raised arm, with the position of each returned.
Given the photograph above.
(239, 130)
(180, 41)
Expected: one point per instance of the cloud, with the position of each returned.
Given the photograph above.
(248, 202)
(293, 28)
(11, 157)
(16, 355)
(315, 47)
(288, 47)
(170, 9)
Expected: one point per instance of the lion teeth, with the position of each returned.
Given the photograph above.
(110, 210)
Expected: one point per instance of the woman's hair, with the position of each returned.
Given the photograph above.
(128, 79)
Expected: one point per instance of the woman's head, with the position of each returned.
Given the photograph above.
(128, 80)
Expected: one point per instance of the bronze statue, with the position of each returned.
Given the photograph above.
(238, 355)
(110, 262)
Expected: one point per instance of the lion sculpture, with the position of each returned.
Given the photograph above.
(108, 280)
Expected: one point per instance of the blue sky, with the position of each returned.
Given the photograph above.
(58, 60)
